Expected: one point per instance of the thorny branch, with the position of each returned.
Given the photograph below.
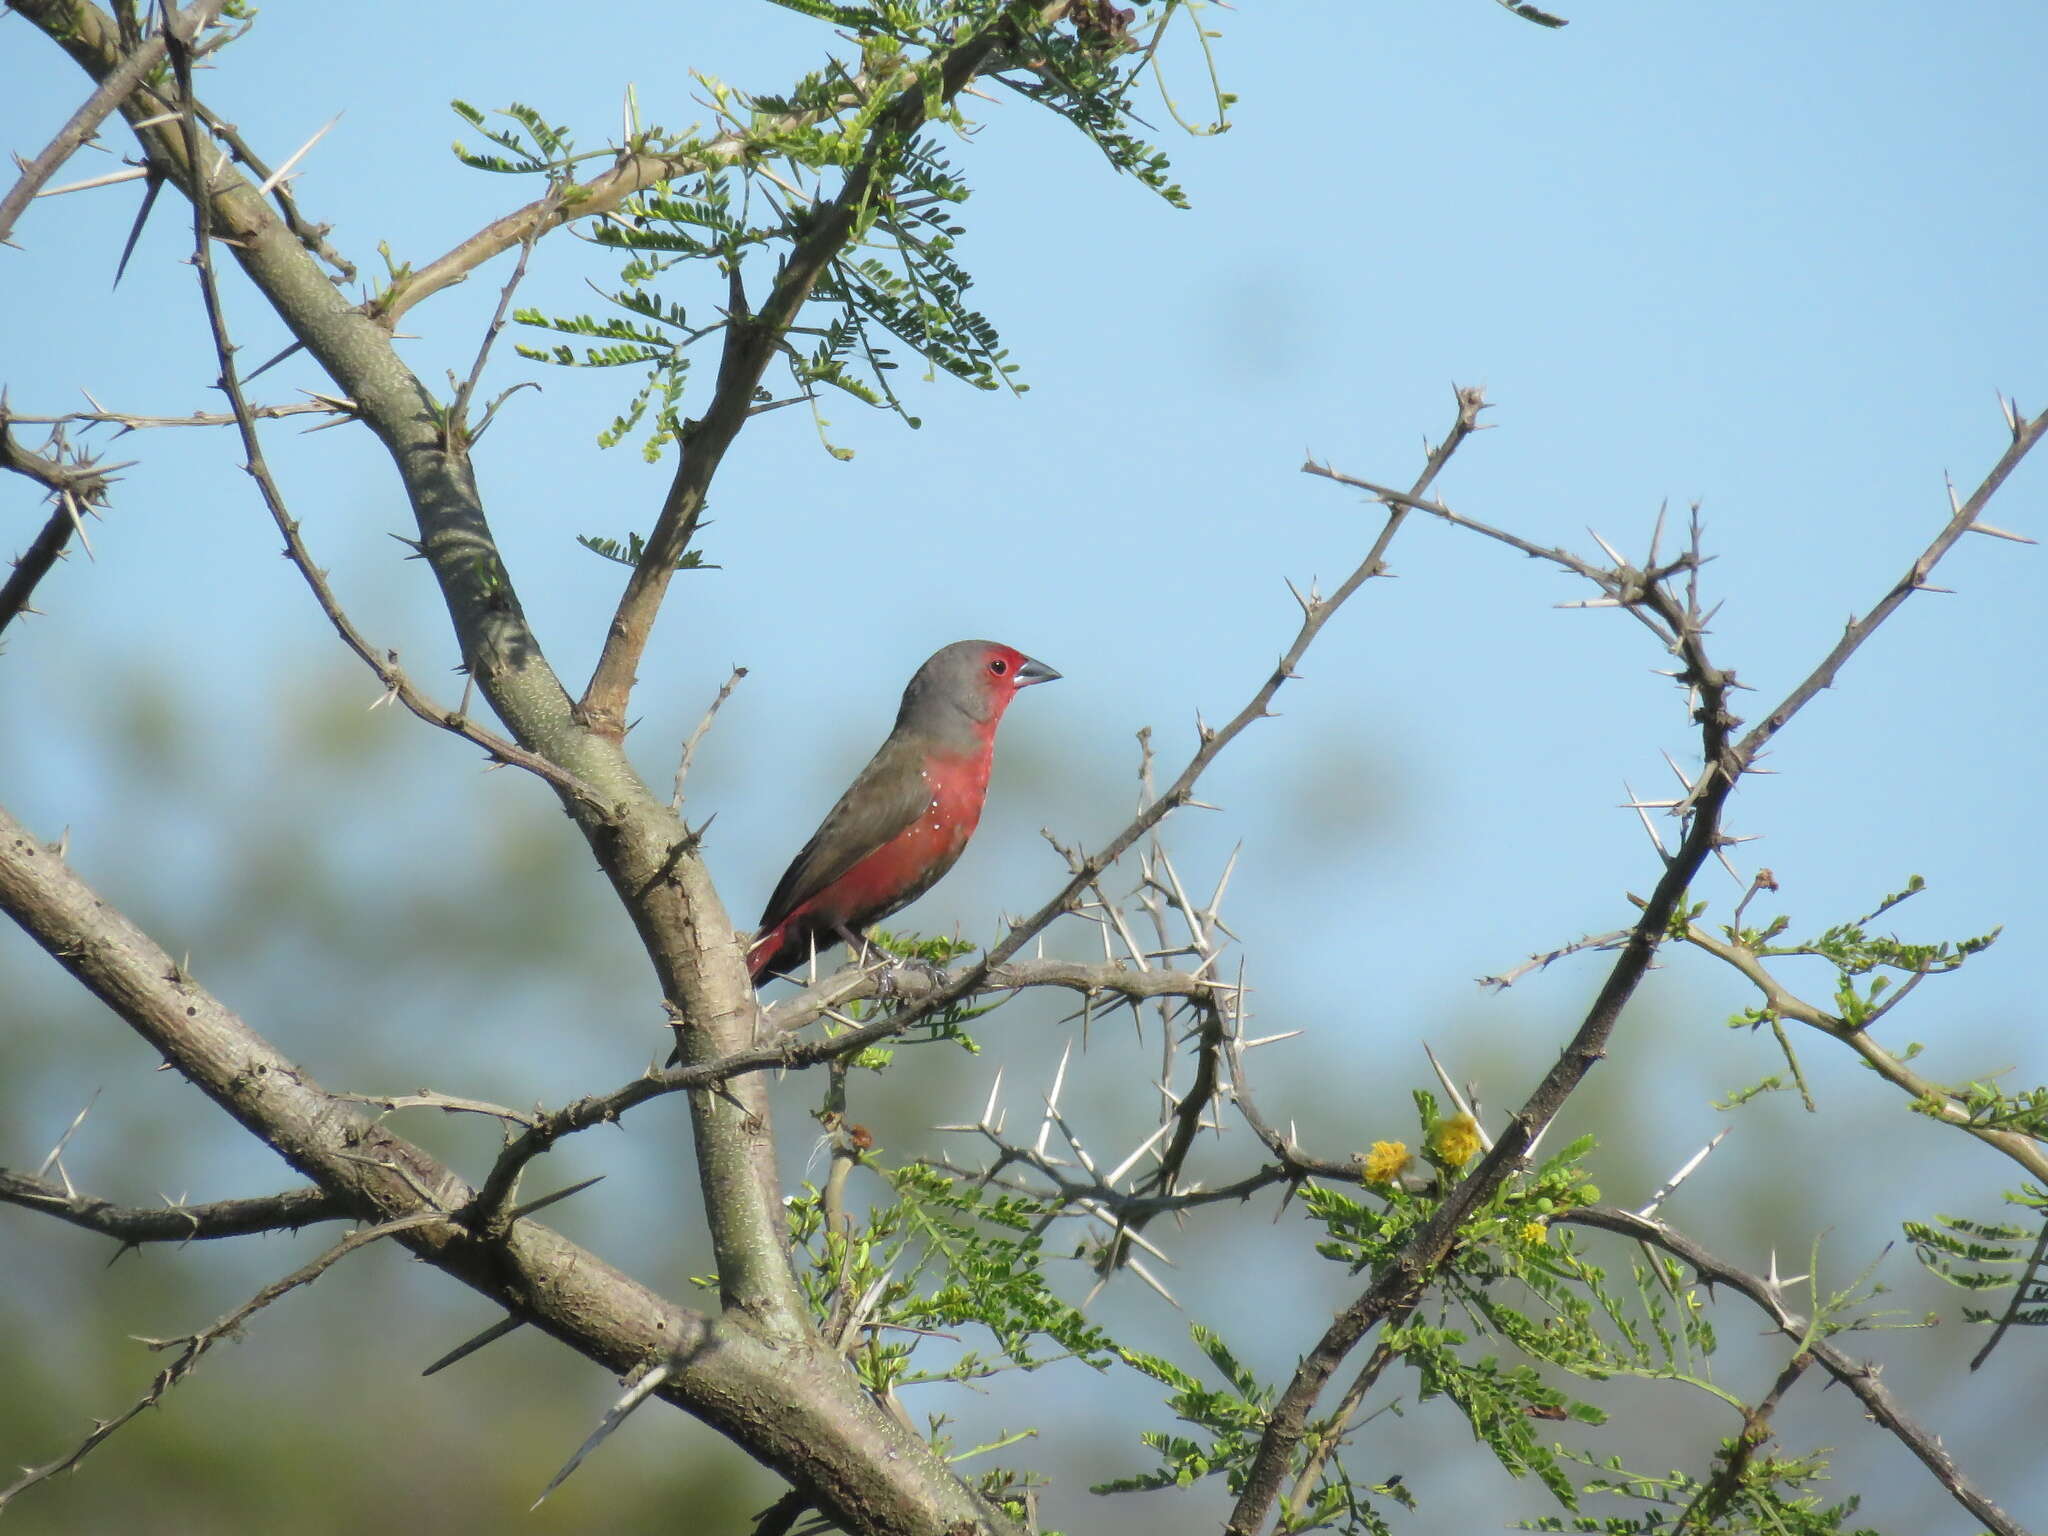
(131, 421)
(194, 1345)
(397, 685)
(779, 1049)
(174, 1222)
(1859, 1376)
(84, 124)
(76, 483)
(1679, 622)
(1086, 871)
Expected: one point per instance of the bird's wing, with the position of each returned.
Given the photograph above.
(887, 796)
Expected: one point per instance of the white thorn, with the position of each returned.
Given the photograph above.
(284, 170)
(1150, 1279)
(1139, 1151)
(635, 1395)
(2000, 533)
(1665, 1189)
(131, 173)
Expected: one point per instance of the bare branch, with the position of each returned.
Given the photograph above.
(704, 725)
(2024, 436)
(76, 482)
(176, 1222)
(382, 662)
(1859, 1376)
(193, 1346)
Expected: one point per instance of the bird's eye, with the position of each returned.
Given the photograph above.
(999, 666)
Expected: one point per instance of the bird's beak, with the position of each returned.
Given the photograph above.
(1034, 672)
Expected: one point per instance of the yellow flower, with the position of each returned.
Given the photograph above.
(1386, 1162)
(1536, 1232)
(1455, 1142)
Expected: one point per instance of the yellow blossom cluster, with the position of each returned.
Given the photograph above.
(1386, 1162)
(1455, 1142)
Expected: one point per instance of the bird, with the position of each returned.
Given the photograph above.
(906, 817)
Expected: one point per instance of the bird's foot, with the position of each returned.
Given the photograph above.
(929, 974)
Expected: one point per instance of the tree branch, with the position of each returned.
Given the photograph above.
(795, 1409)
(193, 1346)
(173, 1223)
(75, 486)
(1927, 1094)
(113, 90)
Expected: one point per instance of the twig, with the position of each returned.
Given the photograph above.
(458, 411)
(384, 664)
(130, 421)
(690, 746)
(1719, 1492)
(193, 1346)
(427, 1099)
(1543, 961)
(1326, 1443)
(176, 1222)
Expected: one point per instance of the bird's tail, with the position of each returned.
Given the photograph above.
(766, 947)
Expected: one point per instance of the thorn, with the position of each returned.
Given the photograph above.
(129, 173)
(635, 1395)
(1052, 1099)
(284, 170)
(1665, 1189)
(1152, 1280)
(490, 1335)
(1612, 553)
(69, 503)
(69, 1131)
(1142, 1148)
(1999, 533)
(547, 1200)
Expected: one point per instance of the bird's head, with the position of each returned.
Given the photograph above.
(974, 679)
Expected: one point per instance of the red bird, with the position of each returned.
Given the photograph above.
(908, 815)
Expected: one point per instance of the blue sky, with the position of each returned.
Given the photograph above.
(1775, 259)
